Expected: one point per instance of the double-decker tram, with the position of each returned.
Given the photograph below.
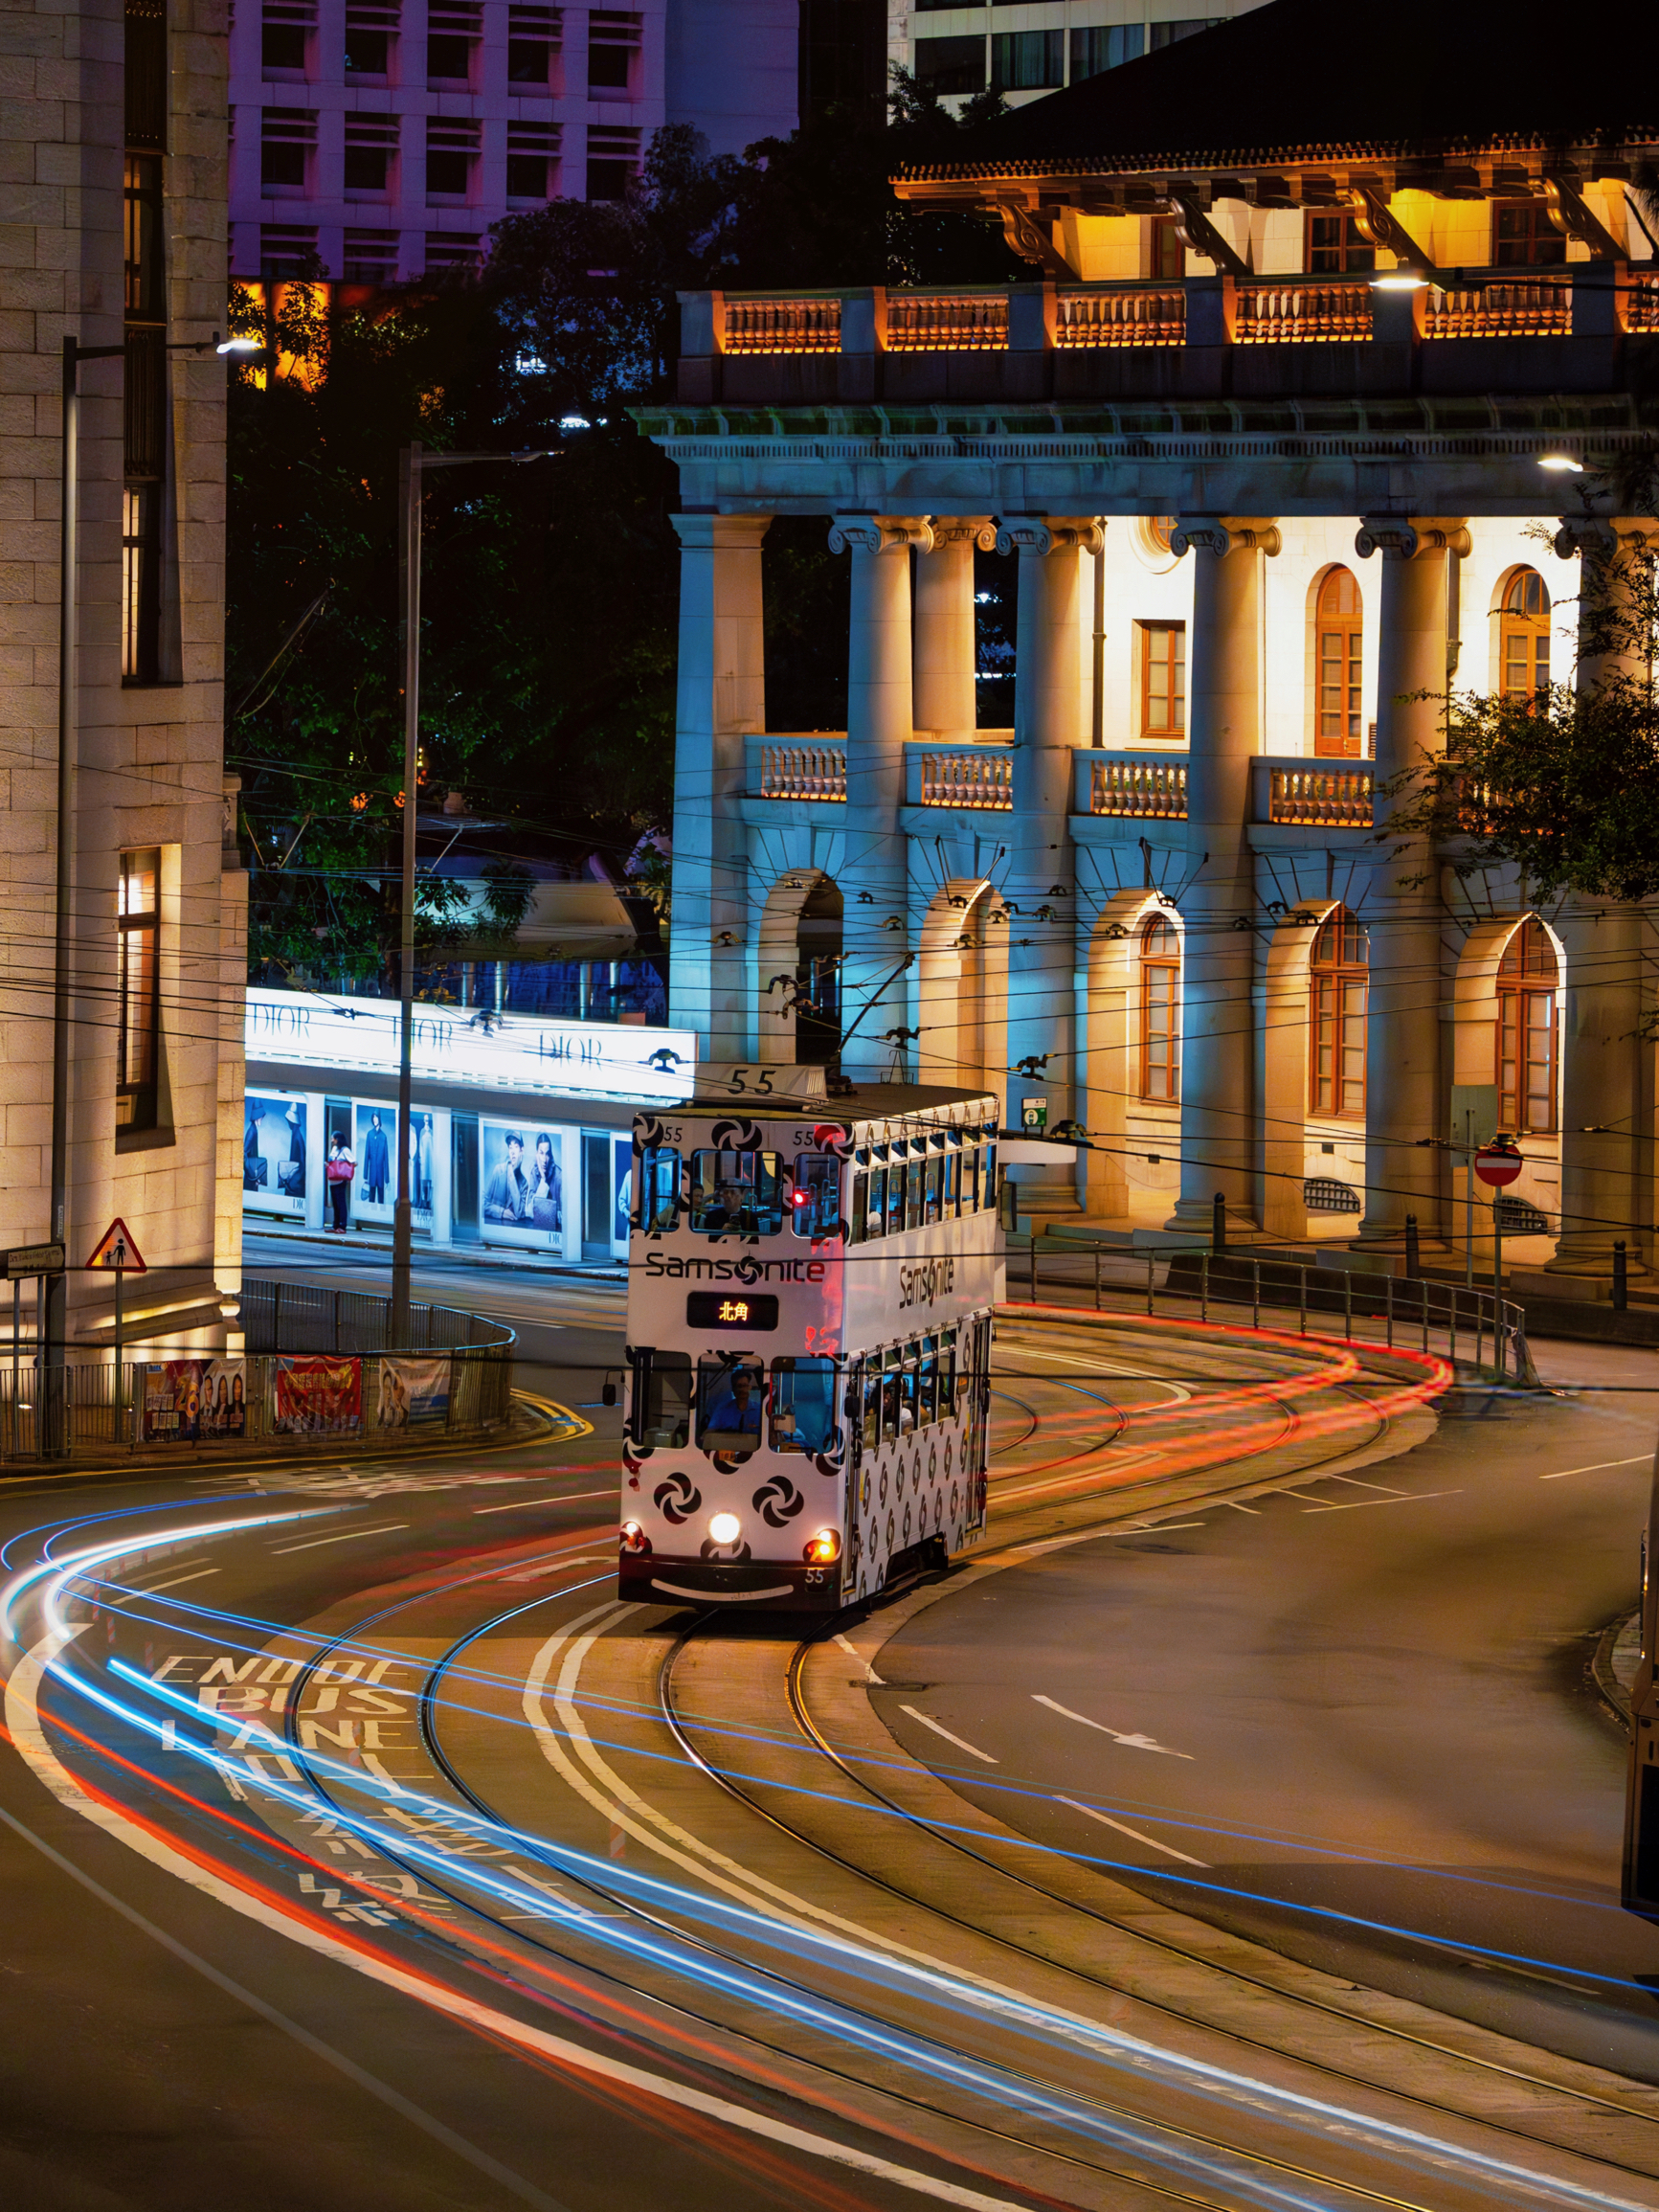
(810, 1288)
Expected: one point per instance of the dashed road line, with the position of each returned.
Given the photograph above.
(961, 1743)
(1124, 1829)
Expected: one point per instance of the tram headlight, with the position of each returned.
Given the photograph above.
(633, 1538)
(824, 1549)
(725, 1528)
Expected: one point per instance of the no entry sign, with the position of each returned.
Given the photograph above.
(1499, 1162)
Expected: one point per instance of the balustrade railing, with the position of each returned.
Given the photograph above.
(1642, 309)
(798, 768)
(1120, 319)
(795, 326)
(1537, 310)
(937, 322)
(977, 776)
(1297, 313)
(1130, 784)
(1328, 797)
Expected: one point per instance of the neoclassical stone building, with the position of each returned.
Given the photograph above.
(1284, 437)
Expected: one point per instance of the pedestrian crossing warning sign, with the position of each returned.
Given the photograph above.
(115, 1248)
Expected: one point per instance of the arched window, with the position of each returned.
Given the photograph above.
(1338, 977)
(1527, 983)
(1160, 1017)
(1338, 630)
(1524, 625)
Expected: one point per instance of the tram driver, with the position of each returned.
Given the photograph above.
(731, 1412)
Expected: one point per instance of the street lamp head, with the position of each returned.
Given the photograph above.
(1560, 465)
(1399, 280)
(234, 345)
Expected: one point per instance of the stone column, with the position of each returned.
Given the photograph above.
(1218, 1137)
(1038, 875)
(1602, 1153)
(1406, 1100)
(721, 700)
(875, 928)
(946, 655)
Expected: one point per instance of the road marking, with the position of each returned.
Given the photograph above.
(961, 1743)
(349, 1537)
(1353, 1482)
(1124, 1829)
(1599, 1467)
(557, 1566)
(870, 1674)
(1405, 1498)
(1238, 1508)
(564, 1497)
(156, 1587)
(1154, 1528)
(1135, 1742)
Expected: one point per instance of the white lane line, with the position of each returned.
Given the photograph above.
(558, 1565)
(1154, 1528)
(1405, 1498)
(1238, 1508)
(350, 1536)
(561, 1498)
(155, 1589)
(1136, 1743)
(870, 1674)
(1124, 1829)
(1600, 1466)
(1353, 1482)
(961, 1743)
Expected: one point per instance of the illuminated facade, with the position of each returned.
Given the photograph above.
(1258, 500)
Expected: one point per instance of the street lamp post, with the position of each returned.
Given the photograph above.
(413, 462)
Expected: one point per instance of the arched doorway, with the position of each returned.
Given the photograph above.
(1338, 666)
(1132, 1108)
(1507, 1050)
(799, 1017)
(962, 993)
(1313, 1089)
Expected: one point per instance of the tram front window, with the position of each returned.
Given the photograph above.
(660, 1190)
(729, 1406)
(817, 1206)
(803, 1404)
(736, 1194)
(665, 1393)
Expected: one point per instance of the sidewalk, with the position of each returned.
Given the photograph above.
(373, 1244)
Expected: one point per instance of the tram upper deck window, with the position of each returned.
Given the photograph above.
(728, 1394)
(896, 1198)
(737, 1193)
(660, 1188)
(816, 1206)
(803, 1404)
(952, 1189)
(914, 1193)
(927, 1383)
(662, 1381)
(872, 1404)
(932, 1183)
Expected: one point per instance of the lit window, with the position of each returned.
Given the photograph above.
(816, 1207)
(660, 1190)
(1339, 639)
(1338, 980)
(1525, 630)
(803, 1404)
(1528, 978)
(1523, 236)
(1336, 247)
(1163, 679)
(737, 1193)
(138, 994)
(1160, 992)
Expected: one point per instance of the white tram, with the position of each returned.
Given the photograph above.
(809, 1341)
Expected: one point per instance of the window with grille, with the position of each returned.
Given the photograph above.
(285, 30)
(1339, 645)
(534, 36)
(453, 28)
(1163, 679)
(370, 149)
(1160, 1016)
(1027, 60)
(287, 139)
(613, 163)
(452, 145)
(1105, 46)
(532, 157)
(369, 257)
(1524, 633)
(287, 250)
(138, 991)
(1523, 234)
(371, 27)
(1528, 980)
(1338, 977)
(1336, 247)
(613, 41)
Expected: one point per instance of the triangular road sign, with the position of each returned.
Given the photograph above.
(115, 1248)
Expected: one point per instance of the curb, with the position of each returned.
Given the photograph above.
(1613, 1693)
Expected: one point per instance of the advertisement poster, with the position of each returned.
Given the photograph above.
(525, 1183)
(319, 1397)
(375, 1148)
(194, 1401)
(413, 1390)
(422, 1145)
(274, 1155)
(621, 1193)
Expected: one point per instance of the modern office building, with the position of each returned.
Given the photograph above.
(382, 138)
(116, 237)
(1028, 50)
(1316, 398)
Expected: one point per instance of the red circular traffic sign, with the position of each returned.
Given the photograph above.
(1499, 1162)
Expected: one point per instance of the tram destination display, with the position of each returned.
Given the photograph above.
(731, 1310)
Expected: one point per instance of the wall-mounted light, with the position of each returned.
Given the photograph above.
(1560, 465)
(1399, 280)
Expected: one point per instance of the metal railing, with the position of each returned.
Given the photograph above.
(1151, 317)
(1535, 310)
(1132, 784)
(800, 768)
(977, 776)
(1296, 313)
(789, 326)
(284, 1316)
(1471, 1328)
(947, 323)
